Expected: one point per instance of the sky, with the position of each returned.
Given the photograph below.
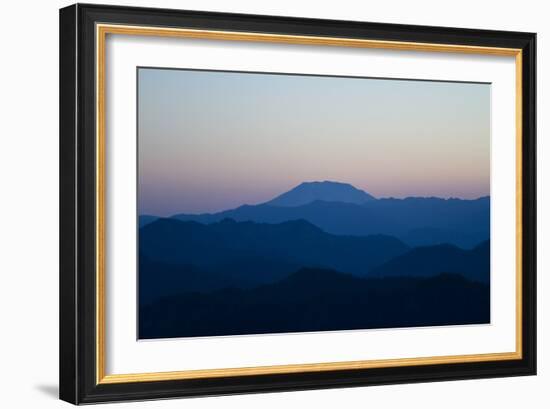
(214, 140)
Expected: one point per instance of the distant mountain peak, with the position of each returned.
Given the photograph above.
(328, 191)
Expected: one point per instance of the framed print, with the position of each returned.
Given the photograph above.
(258, 203)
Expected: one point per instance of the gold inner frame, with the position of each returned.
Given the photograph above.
(101, 32)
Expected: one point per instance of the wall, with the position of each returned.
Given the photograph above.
(29, 205)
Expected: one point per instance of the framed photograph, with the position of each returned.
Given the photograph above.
(257, 203)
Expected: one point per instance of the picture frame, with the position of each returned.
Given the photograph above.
(84, 214)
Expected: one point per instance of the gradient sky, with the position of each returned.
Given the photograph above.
(211, 141)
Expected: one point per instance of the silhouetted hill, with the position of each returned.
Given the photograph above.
(248, 253)
(157, 279)
(423, 221)
(146, 219)
(327, 191)
(430, 236)
(319, 300)
(445, 258)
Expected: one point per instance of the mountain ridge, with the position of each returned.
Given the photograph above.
(427, 261)
(297, 242)
(418, 221)
(293, 305)
(342, 209)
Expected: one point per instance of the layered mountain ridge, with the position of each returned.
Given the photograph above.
(322, 256)
(414, 220)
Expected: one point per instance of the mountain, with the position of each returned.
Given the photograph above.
(429, 236)
(157, 279)
(249, 253)
(433, 260)
(146, 219)
(424, 221)
(327, 191)
(319, 300)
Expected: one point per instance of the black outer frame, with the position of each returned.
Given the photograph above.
(77, 204)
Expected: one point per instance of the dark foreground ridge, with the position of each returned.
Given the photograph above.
(319, 300)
